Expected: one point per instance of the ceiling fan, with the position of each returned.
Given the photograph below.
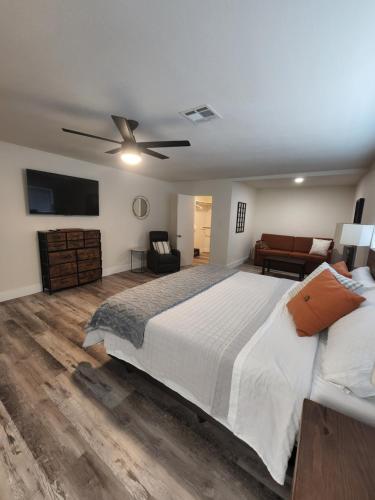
(131, 149)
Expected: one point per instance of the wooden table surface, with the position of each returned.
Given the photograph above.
(335, 457)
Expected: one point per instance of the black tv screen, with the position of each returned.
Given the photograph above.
(61, 194)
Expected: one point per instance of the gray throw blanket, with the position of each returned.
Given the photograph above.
(127, 313)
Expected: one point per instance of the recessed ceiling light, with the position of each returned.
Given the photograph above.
(299, 180)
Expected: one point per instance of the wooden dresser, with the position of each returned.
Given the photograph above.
(69, 257)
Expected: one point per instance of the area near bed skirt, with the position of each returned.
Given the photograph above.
(127, 313)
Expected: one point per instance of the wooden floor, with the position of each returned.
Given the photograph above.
(203, 258)
(78, 425)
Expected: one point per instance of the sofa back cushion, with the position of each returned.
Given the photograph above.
(304, 244)
(279, 242)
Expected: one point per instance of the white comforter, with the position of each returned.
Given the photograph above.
(271, 375)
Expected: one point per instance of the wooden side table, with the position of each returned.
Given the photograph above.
(142, 254)
(335, 457)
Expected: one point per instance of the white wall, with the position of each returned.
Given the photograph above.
(366, 189)
(302, 211)
(221, 192)
(240, 244)
(19, 258)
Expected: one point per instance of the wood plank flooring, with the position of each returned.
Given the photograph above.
(77, 424)
(203, 258)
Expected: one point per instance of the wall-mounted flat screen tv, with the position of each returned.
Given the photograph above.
(61, 194)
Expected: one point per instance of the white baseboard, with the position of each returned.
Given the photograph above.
(238, 262)
(20, 292)
(15, 293)
(116, 269)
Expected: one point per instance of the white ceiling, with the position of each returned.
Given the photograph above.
(294, 81)
(311, 179)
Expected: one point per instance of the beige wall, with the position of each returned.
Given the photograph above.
(19, 259)
(366, 189)
(303, 211)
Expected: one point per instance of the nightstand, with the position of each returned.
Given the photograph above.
(335, 457)
(142, 254)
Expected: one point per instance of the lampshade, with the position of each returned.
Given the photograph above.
(359, 235)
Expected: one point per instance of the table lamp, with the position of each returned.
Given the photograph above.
(353, 236)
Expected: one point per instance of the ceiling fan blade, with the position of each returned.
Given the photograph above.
(125, 127)
(90, 135)
(163, 144)
(154, 154)
(114, 151)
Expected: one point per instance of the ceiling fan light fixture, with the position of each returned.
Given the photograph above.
(131, 158)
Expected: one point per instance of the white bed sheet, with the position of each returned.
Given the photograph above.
(271, 377)
(182, 345)
(337, 397)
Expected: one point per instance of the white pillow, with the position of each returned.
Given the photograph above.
(350, 284)
(162, 247)
(363, 275)
(320, 247)
(350, 354)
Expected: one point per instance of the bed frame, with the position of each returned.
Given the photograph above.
(371, 262)
(240, 453)
(232, 448)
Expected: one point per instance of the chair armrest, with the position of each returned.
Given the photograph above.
(176, 252)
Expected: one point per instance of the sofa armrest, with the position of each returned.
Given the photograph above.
(329, 255)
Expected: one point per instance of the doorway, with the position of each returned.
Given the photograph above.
(202, 229)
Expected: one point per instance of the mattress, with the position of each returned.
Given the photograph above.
(337, 397)
(183, 346)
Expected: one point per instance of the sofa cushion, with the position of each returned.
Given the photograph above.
(167, 258)
(278, 242)
(308, 257)
(267, 252)
(302, 244)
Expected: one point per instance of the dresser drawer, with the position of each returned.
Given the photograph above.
(92, 243)
(62, 257)
(56, 236)
(92, 235)
(56, 245)
(87, 265)
(74, 235)
(76, 243)
(88, 253)
(64, 282)
(88, 276)
(62, 269)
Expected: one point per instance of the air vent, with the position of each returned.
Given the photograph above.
(202, 113)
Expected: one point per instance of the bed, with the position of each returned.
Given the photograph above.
(232, 350)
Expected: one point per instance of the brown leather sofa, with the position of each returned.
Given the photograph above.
(297, 247)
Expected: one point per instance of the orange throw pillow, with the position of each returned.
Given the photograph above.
(342, 268)
(320, 303)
